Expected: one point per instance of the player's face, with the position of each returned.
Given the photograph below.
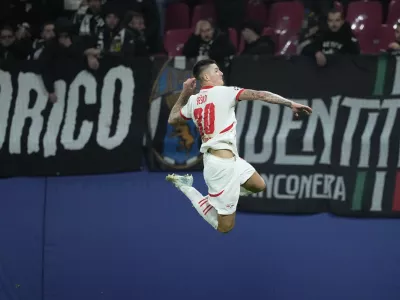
(216, 77)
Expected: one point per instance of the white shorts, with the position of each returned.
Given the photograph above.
(224, 176)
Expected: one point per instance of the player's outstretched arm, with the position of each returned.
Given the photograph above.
(264, 96)
(276, 99)
(187, 91)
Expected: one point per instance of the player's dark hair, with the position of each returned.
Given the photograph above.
(200, 66)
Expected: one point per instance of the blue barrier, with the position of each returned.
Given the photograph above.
(133, 236)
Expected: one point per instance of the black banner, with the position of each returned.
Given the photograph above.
(345, 157)
(96, 126)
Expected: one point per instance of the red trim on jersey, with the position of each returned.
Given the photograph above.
(207, 210)
(206, 87)
(216, 195)
(182, 115)
(203, 201)
(227, 128)
(238, 94)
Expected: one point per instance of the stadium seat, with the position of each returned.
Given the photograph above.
(393, 13)
(203, 12)
(177, 16)
(386, 36)
(268, 31)
(365, 18)
(175, 39)
(285, 16)
(364, 15)
(286, 44)
(286, 19)
(257, 12)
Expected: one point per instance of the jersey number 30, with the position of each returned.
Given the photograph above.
(205, 119)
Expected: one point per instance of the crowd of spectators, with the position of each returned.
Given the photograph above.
(92, 29)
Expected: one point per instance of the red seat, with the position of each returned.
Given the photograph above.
(203, 12)
(285, 16)
(177, 16)
(365, 18)
(268, 31)
(364, 15)
(175, 39)
(386, 37)
(286, 19)
(286, 44)
(257, 12)
(393, 13)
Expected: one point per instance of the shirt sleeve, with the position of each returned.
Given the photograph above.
(185, 111)
(234, 93)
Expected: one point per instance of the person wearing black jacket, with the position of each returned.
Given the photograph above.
(135, 26)
(256, 44)
(114, 40)
(208, 41)
(149, 10)
(47, 34)
(65, 47)
(90, 23)
(11, 49)
(338, 38)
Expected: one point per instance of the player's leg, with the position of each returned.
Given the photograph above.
(226, 222)
(199, 202)
(250, 181)
(223, 189)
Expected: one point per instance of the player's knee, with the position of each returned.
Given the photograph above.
(261, 186)
(226, 225)
(225, 228)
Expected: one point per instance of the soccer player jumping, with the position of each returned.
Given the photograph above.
(213, 111)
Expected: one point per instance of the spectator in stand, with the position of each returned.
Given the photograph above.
(255, 43)
(114, 40)
(209, 42)
(91, 22)
(80, 12)
(338, 38)
(47, 34)
(394, 47)
(11, 48)
(66, 46)
(134, 23)
(149, 10)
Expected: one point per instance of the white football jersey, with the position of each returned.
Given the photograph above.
(213, 112)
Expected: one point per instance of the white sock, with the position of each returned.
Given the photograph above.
(200, 203)
(244, 192)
